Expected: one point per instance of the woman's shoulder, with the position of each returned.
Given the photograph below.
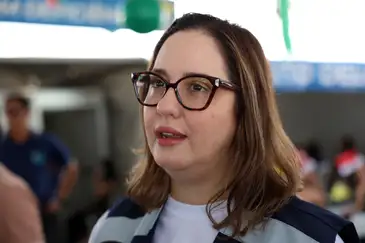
(297, 220)
(123, 213)
(315, 222)
(127, 208)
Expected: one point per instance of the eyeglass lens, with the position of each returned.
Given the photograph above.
(192, 92)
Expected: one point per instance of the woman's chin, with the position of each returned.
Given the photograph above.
(170, 164)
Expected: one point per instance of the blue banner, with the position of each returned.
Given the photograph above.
(321, 77)
(108, 14)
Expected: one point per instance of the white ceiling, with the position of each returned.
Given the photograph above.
(321, 30)
(49, 73)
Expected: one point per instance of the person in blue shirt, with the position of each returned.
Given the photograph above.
(41, 159)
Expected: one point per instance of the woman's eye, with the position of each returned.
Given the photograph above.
(157, 83)
(199, 87)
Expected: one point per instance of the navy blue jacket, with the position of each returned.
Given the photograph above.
(296, 222)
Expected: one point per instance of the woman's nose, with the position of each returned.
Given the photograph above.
(169, 105)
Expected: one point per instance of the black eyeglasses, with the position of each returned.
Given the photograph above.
(194, 92)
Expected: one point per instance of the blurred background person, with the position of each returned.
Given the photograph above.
(314, 150)
(348, 185)
(42, 160)
(312, 187)
(323, 166)
(105, 181)
(19, 213)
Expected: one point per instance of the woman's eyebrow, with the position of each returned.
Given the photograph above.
(165, 74)
(194, 74)
(160, 71)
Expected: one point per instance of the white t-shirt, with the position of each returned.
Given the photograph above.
(184, 223)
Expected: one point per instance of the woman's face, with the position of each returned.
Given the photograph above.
(201, 137)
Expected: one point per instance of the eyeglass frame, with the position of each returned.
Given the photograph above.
(216, 83)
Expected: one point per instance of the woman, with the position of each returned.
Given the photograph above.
(313, 191)
(217, 164)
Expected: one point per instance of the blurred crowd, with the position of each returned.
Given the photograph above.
(334, 182)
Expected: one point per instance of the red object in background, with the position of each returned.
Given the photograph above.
(51, 3)
(347, 157)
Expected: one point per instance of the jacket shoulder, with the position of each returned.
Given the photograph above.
(118, 223)
(315, 222)
(126, 207)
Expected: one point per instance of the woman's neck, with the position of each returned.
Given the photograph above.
(199, 184)
(194, 193)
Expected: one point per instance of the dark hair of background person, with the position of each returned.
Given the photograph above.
(20, 98)
(264, 166)
(314, 150)
(108, 170)
(347, 143)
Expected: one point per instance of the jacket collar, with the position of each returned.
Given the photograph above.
(146, 229)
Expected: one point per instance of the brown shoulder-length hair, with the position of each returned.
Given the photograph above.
(265, 167)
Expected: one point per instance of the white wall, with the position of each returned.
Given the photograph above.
(125, 126)
(325, 117)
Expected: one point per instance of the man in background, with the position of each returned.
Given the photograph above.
(42, 160)
(19, 215)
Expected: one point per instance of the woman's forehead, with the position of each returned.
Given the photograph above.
(190, 52)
